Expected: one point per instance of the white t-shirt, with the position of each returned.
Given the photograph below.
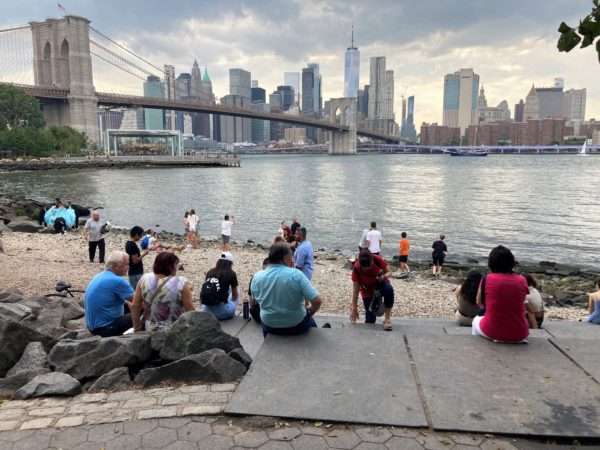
(534, 298)
(374, 238)
(94, 229)
(193, 222)
(363, 239)
(226, 227)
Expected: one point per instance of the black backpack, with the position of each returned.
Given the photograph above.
(210, 293)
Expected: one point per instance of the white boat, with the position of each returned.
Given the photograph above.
(583, 150)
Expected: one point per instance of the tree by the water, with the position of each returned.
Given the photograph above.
(586, 33)
(18, 110)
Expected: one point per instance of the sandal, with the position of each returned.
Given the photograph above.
(387, 325)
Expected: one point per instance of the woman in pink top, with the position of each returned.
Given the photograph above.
(503, 293)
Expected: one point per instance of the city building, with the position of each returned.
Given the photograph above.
(520, 111)
(200, 90)
(380, 110)
(434, 134)
(261, 129)
(240, 83)
(287, 97)
(133, 119)
(311, 96)
(574, 103)
(295, 135)
(258, 95)
(461, 99)
(293, 79)
(363, 102)
(154, 119)
(169, 95)
(235, 129)
(351, 70)
(548, 131)
(408, 129)
(596, 137)
(108, 119)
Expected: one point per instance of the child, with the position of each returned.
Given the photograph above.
(404, 251)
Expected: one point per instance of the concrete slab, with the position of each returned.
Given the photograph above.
(571, 329)
(343, 375)
(471, 384)
(455, 330)
(251, 338)
(585, 353)
(233, 326)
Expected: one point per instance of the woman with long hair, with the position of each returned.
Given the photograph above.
(466, 299)
(220, 294)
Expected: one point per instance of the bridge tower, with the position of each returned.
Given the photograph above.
(62, 59)
(342, 111)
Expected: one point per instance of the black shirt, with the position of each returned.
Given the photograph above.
(226, 280)
(439, 247)
(132, 249)
(295, 226)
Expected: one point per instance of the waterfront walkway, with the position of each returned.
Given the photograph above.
(425, 385)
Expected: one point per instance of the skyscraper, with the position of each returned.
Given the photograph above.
(287, 97)
(520, 111)
(351, 70)
(237, 129)
(311, 96)
(293, 79)
(574, 103)
(381, 90)
(170, 95)
(154, 118)
(408, 126)
(461, 99)
(261, 129)
(240, 83)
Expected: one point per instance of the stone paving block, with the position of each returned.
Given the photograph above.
(466, 439)
(250, 439)
(8, 425)
(403, 443)
(370, 446)
(124, 442)
(175, 399)
(121, 415)
(69, 438)
(123, 395)
(284, 434)
(570, 329)
(159, 437)
(92, 398)
(101, 433)
(202, 410)
(47, 411)
(69, 421)
(210, 397)
(142, 402)
(40, 440)
(251, 338)
(181, 445)
(583, 353)
(342, 438)
(225, 429)
(496, 444)
(223, 387)
(194, 431)
(435, 442)
(156, 413)
(159, 392)
(36, 424)
(307, 442)
(139, 426)
(215, 443)
(8, 404)
(174, 422)
(347, 361)
(53, 402)
(194, 389)
(276, 445)
(12, 413)
(459, 372)
(91, 408)
(376, 435)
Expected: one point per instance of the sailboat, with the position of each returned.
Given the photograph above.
(583, 150)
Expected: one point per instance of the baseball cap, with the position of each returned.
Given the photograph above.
(227, 256)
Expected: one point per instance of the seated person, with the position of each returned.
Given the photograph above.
(106, 297)
(162, 295)
(219, 294)
(504, 292)
(253, 304)
(534, 304)
(281, 290)
(151, 241)
(370, 273)
(594, 306)
(466, 299)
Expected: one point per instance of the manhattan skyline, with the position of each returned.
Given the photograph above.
(511, 45)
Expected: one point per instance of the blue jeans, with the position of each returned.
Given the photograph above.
(387, 291)
(303, 327)
(116, 328)
(223, 311)
(134, 279)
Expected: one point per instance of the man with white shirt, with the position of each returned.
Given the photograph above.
(374, 239)
(226, 226)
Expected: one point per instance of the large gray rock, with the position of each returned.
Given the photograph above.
(24, 226)
(116, 380)
(240, 355)
(47, 317)
(71, 310)
(211, 366)
(34, 357)
(14, 311)
(14, 337)
(10, 384)
(11, 296)
(54, 383)
(93, 357)
(195, 332)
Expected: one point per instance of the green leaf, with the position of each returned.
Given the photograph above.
(564, 28)
(598, 50)
(568, 41)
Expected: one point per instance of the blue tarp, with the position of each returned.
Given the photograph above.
(54, 213)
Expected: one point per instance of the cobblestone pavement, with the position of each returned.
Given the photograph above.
(219, 432)
(100, 408)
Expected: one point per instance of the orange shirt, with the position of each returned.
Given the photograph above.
(404, 247)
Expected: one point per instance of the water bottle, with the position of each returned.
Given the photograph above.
(246, 310)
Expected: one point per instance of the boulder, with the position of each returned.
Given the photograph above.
(24, 226)
(11, 296)
(4, 228)
(11, 384)
(71, 310)
(116, 380)
(211, 366)
(240, 355)
(195, 332)
(14, 337)
(54, 383)
(95, 356)
(34, 357)
(47, 316)
(14, 311)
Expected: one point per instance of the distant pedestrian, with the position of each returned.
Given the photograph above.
(304, 255)
(363, 240)
(438, 255)
(404, 252)
(193, 221)
(226, 227)
(93, 232)
(186, 224)
(374, 239)
(136, 266)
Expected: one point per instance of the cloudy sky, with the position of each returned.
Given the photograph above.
(510, 43)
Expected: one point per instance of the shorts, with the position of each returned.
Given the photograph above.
(438, 260)
(403, 258)
(225, 238)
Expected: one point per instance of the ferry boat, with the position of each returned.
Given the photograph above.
(474, 152)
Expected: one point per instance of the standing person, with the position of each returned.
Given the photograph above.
(186, 225)
(404, 252)
(94, 236)
(438, 255)
(136, 266)
(294, 227)
(363, 240)
(193, 221)
(226, 226)
(370, 273)
(374, 239)
(281, 292)
(504, 319)
(220, 293)
(284, 231)
(304, 255)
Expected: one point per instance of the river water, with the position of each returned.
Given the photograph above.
(542, 207)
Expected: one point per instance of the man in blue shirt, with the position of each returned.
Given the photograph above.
(303, 257)
(281, 291)
(106, 296)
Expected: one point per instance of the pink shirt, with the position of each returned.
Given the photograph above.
(504, 318)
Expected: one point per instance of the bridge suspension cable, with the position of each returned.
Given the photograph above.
(16, 55)
(101, 47)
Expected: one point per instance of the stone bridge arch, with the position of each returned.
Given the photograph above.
(342, 111)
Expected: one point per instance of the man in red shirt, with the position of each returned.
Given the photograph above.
(370, 273)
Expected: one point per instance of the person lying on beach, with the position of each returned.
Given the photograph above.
(151, 241)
